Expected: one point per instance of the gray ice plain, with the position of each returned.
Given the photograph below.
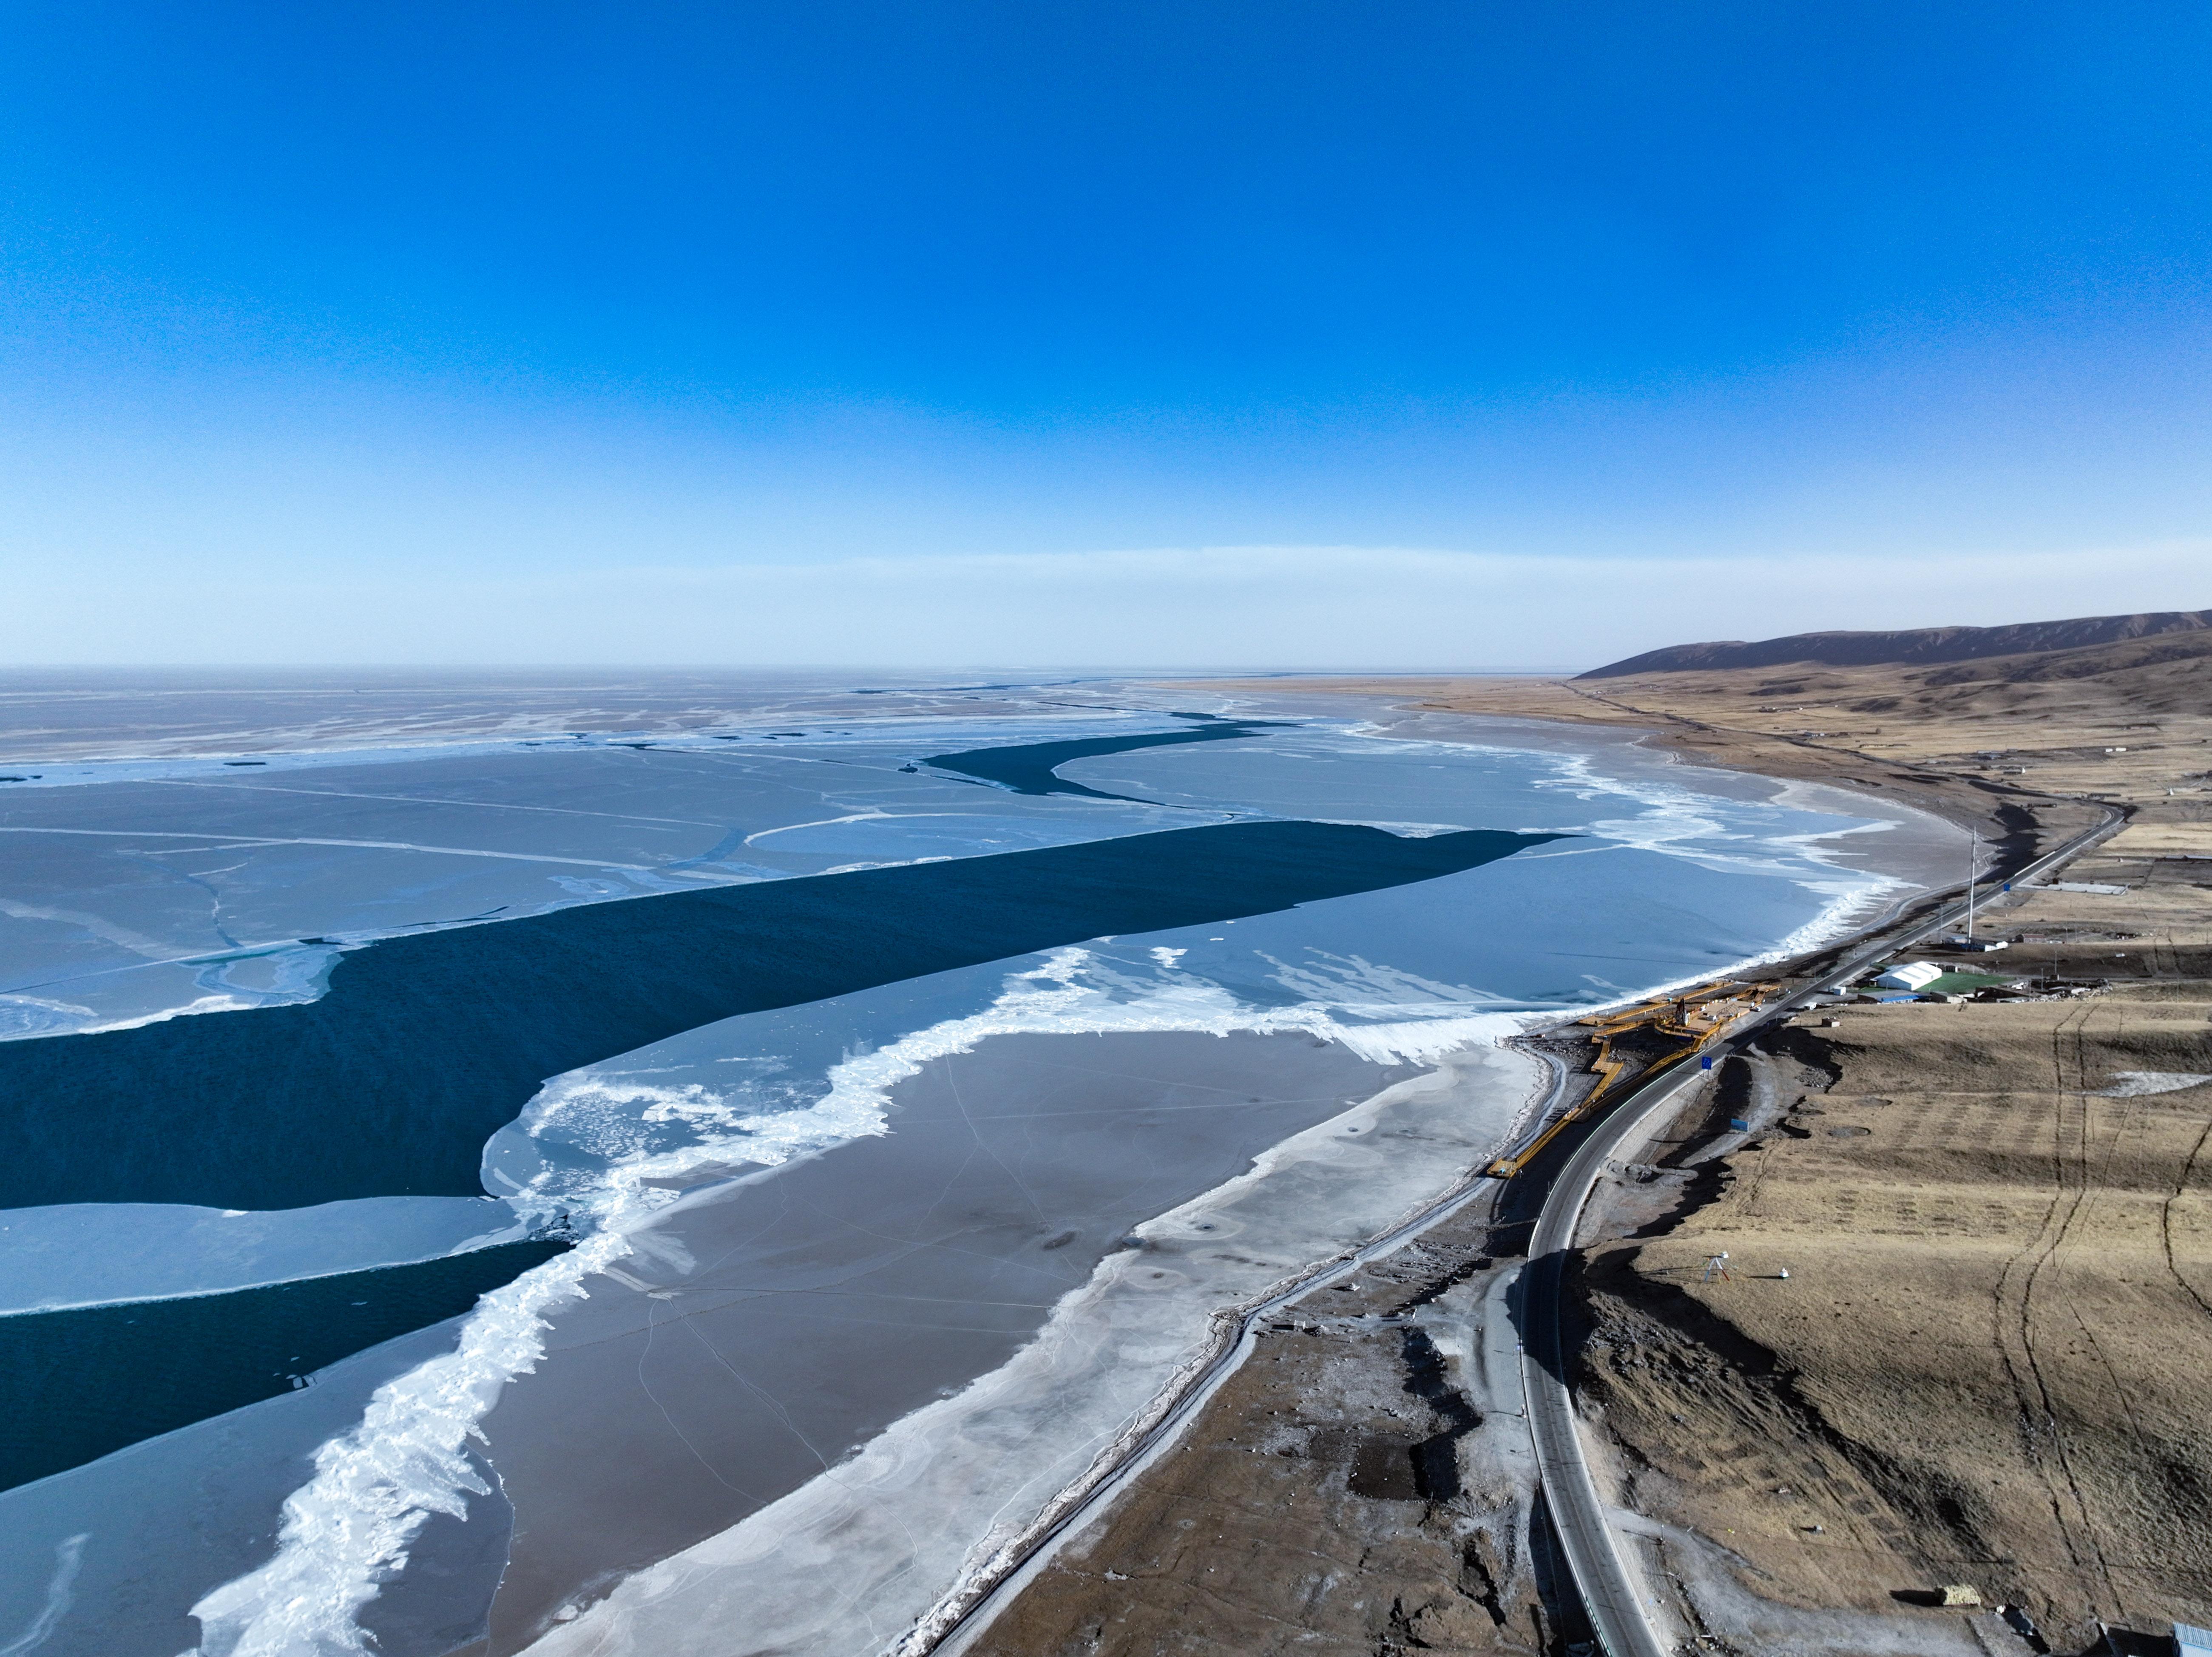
(190, 884)
(861, 1284)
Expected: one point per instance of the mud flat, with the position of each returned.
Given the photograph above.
(846, 1559)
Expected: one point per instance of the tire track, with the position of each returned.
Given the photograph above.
(2008, 1323)
(2166, 1218)
(2123, 1114)
(2016, 1294)
(2083, 1199)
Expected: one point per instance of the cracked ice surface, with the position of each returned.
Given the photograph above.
(93, 1253)
(139, 890)
(130, 896)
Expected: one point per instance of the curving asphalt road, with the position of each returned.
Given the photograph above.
(1612, 1588)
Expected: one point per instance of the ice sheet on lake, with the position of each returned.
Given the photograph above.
(1686, 884)
(93, 1254)
(196, 884)
(113, 1555)
(154, 888)
(1625, 796)
(138, 889)
(54, 717)
(1534, 934)
(1409, 974)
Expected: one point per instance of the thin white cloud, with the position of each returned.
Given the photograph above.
(1318, 607)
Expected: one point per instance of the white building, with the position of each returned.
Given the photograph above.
(1912, 975)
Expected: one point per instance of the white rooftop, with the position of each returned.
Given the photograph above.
(1912, 975)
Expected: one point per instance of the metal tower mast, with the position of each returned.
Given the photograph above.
(1973, 861)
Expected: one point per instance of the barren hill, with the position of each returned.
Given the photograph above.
(1913, 646)
(1959, 707)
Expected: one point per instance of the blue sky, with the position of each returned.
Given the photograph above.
(1295, 334)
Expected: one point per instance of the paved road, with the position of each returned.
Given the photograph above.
(1613, 1590)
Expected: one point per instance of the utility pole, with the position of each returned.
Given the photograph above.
(1973, 859)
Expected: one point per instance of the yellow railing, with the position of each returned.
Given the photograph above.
(1695, 1018)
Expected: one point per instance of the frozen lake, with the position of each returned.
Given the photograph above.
(822, 1028)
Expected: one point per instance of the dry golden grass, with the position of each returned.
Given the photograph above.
(1987, 1364)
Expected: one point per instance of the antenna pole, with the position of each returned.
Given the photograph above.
(1973, 857)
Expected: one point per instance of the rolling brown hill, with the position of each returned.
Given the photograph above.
(1915, 646)
(2111, 687)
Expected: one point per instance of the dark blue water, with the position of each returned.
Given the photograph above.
(424, 1045)
(77, 1385)
(1030, 767)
